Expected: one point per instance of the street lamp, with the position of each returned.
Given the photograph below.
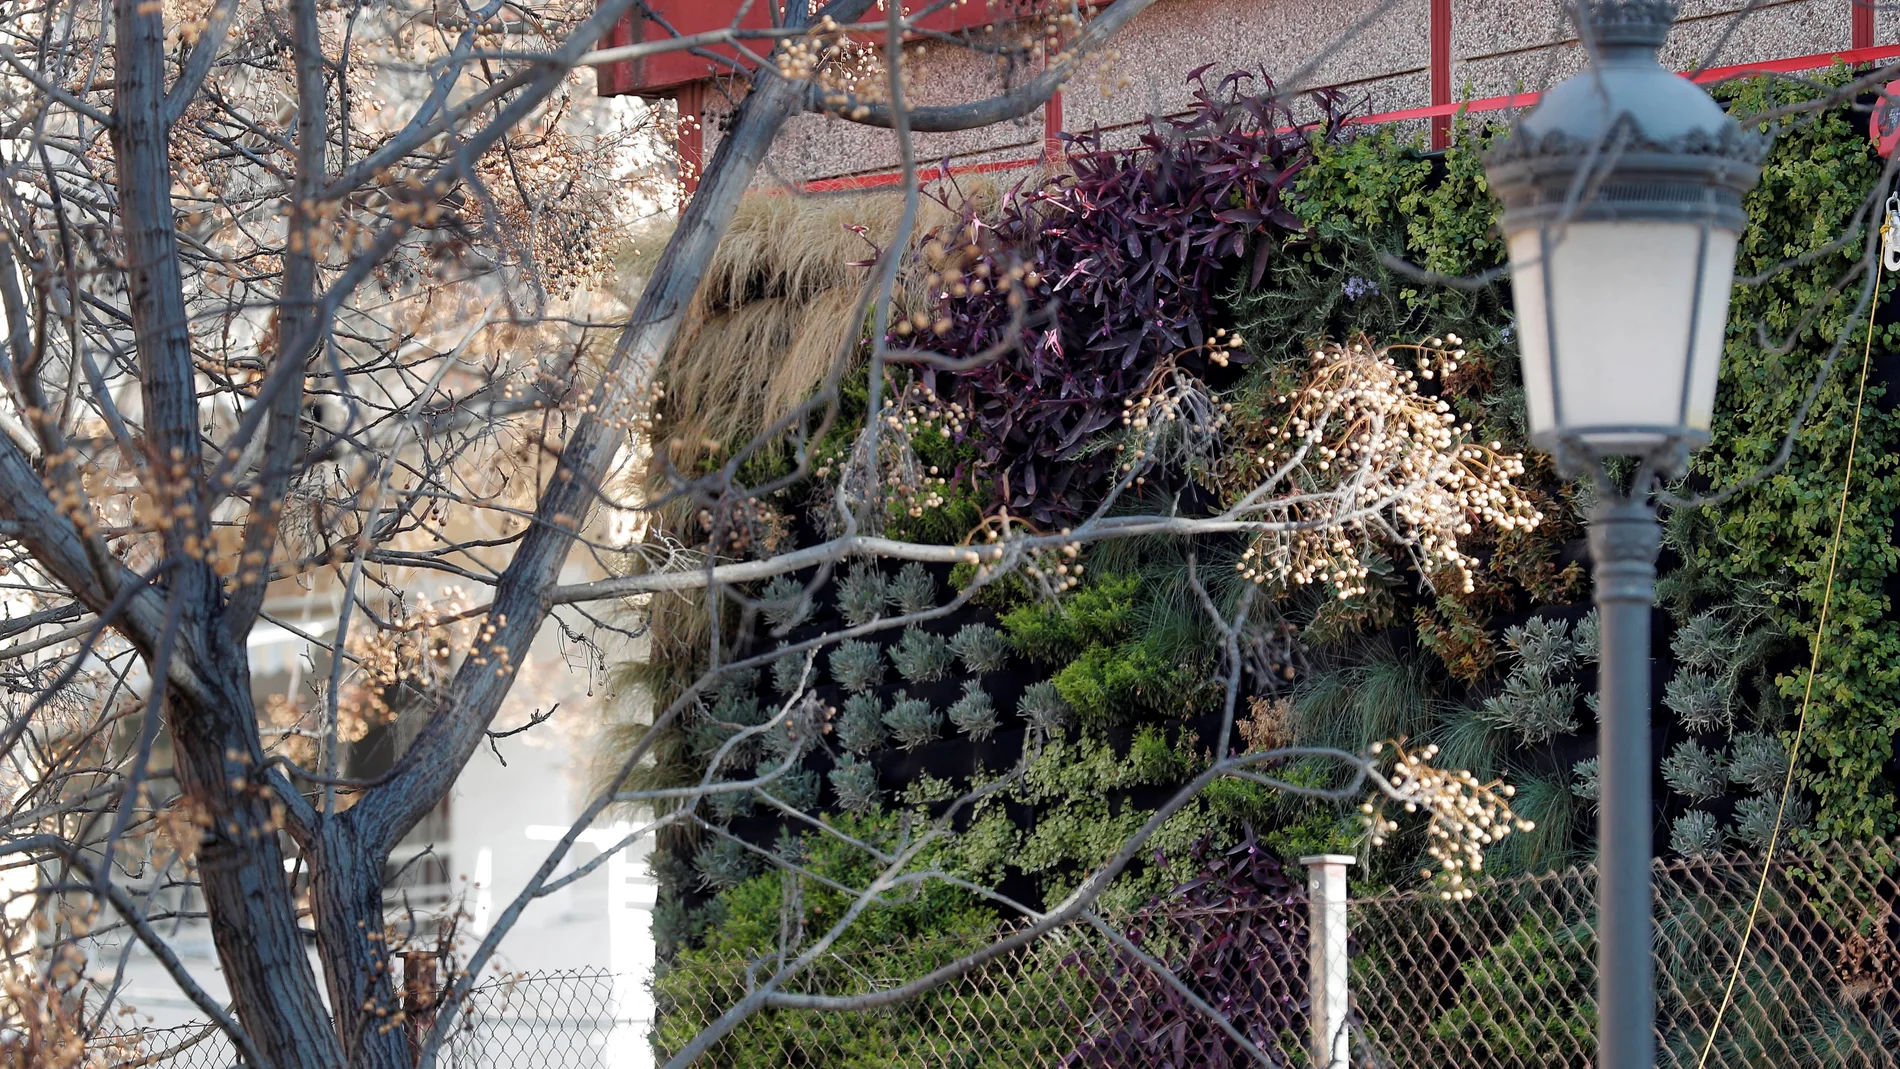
(1622, 199)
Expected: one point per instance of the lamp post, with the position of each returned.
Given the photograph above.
(1622, 199)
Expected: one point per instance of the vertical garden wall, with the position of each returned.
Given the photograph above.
(1205, 268)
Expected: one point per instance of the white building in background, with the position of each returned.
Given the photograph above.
(574, 970)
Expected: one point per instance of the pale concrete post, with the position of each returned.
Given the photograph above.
(1326, 941)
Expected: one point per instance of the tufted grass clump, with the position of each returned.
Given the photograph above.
(980, 647)
(857, 666)
(913, 722)
(921, 657)
(974, 714)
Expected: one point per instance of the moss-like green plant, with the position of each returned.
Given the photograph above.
(920, 656)
(980, 647)
(1760, 763)
(1694, 834)
(723, 863)
(974, 714)
(861, 724)
(1042, 706)
(854, 782)
(857, 666)
(913, 722)
(913, 591)
(784, 603)
(1693, 771)
(861, 595)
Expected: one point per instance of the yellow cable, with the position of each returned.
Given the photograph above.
(1814, 665)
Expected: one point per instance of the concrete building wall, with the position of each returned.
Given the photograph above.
(1496, 47)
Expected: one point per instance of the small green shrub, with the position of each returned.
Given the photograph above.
(797, 788)
(1760, 763)
(913, 722)
(973, 713)
(1694, 834)
(723, 863)
(1692, 771)
(1755, 818)
(980, 647)
(1042, 706)
(854, 782)
(861, 724)
(1587, 779)
(857, 666)
(786, 674)
(920, 656)
(1699, 700)
(1528, 999)
(784, 602)
(861, 595)
(913, 590)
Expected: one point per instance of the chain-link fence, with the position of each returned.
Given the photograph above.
(1505, 979)
(547, 1020)
(1508, 978)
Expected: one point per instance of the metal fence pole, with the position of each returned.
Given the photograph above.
(1326, 941)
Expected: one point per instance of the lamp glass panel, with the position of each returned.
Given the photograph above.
(1606, 338)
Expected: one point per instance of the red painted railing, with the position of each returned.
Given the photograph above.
(1851, 57)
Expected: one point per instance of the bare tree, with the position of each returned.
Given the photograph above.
(290, 297)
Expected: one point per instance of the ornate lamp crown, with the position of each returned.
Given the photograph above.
(1657, 147)
(1618, 23)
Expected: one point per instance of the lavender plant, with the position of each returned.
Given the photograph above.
(857, 666)
(973, 713)
(913, 722)
(921, 657)
(980, 647)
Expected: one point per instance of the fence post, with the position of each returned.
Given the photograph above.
(1326, 942)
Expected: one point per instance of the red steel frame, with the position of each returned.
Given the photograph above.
(685, 78)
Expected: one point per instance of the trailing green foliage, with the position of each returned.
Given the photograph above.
(1821, 170)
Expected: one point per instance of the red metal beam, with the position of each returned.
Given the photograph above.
(1863, 19)
(1440, 70)
(1851, 57)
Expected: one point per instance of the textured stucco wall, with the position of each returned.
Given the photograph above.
(1498, 46)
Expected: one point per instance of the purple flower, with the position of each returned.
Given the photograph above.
(1357, 287)
(1509, 332)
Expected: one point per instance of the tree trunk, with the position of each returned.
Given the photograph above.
(208, 705)
(241, 868)
(346, 896)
